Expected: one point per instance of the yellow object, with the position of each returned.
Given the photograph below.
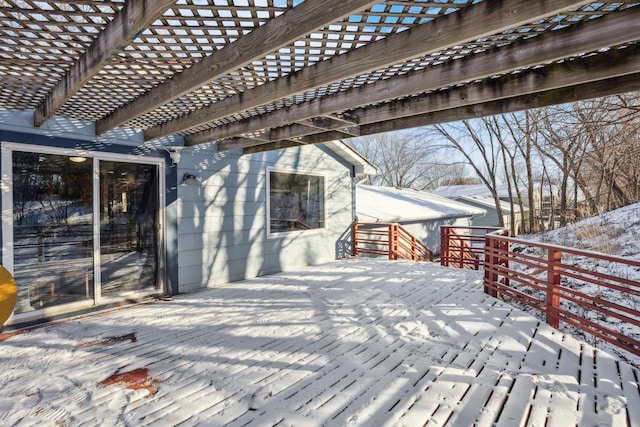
(8, 294)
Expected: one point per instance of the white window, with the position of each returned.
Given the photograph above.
(296, 201)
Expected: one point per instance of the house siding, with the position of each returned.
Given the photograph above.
(491, 218)
(215, 230)
(222, 220)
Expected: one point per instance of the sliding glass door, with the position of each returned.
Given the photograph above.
(128, 237)
(85, 230)
(52, 229)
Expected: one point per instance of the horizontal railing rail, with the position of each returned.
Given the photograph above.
(593, 293)
(463, 247)
(587, 290)
(410, 247)
(388, 239)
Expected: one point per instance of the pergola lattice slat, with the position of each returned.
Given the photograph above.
(479, 20)
(134, 16)
(275, 33)
(608, 31)
(556, 84)
(261, 74)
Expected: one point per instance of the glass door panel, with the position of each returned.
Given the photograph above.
(129, 208)
(53, 229)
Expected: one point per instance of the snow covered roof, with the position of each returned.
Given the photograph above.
(353, 157)
(387, 204)
(488, 202)
(452, 191)
(474, 190)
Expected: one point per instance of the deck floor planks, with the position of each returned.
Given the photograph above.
(337, 380)
(629, 384)
(411, 349)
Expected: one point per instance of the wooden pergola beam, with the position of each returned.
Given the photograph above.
(478, 20)
(275, 33)
(503, 106)
(294, 132)
(607, 65)
(591, 90)
(134, 17)
(270, 146)
(615, 72)
(608, 31)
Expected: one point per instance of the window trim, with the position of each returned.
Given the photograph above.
(277, 234)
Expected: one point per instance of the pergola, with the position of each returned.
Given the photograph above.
(267, 74)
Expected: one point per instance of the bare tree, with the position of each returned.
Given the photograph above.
(523, 130)
(482, 153)
(595, 146)
(611, 166)
(408, 160)
(586, 150)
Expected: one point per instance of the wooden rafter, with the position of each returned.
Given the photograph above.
(595, 89)
(344, 125)
(608, 65)
(275, 33)
(614, 72)
(607, 31)
(134, 16)
(479, 20)
(267, 74)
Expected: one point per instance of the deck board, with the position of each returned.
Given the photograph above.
(352, 343)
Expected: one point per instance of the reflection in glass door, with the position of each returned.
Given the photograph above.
(129, 210)
(75, 215)
(52, 229)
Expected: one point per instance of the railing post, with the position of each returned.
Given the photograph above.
(391, 241)
(444, 246)
(414, 248)
(505, 247)
(554, 260)
(354, 238)
(490, 272)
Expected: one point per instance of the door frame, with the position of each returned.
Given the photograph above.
(6, 186)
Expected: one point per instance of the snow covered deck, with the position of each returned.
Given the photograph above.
(351, 343)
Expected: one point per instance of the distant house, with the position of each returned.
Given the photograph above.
(421, 213)
(491, 219)
(480, 197)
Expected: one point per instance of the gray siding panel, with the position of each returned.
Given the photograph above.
(222, 220)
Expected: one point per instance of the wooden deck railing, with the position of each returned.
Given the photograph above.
(463, 247)
(592, 292)
(388, 239)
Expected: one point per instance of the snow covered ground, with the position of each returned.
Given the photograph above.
(357, 342)
(614, 233)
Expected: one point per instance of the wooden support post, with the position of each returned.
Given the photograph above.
(414, 249)
(392, 240)
(491, 263)
(554, 260)
(489, 275)
(505, 246)
(354, 238)
(444, 246)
